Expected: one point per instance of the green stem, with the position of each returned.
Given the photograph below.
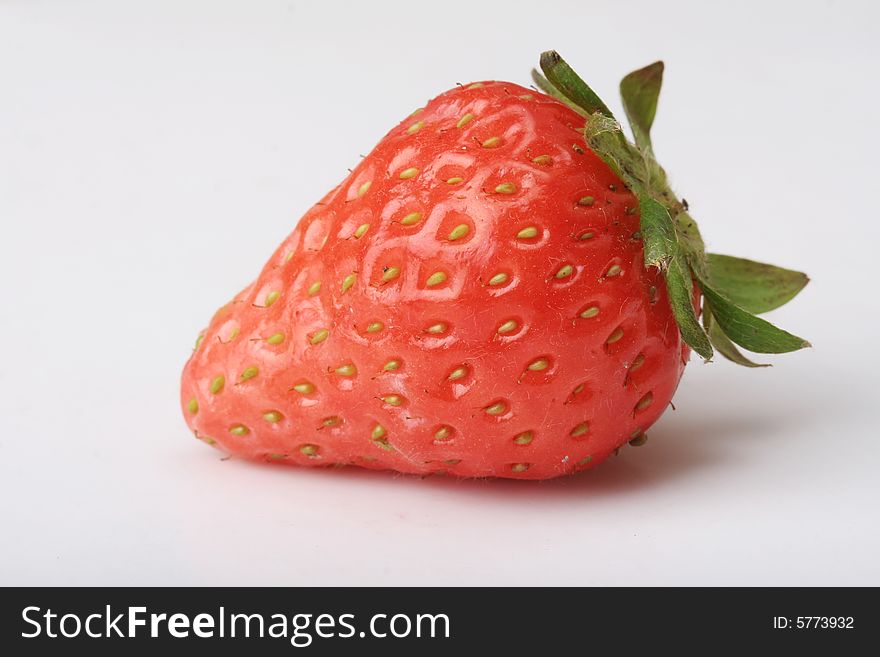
(672, 240)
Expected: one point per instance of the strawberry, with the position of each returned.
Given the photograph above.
(505, 286)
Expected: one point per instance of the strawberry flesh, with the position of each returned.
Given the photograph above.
(471, 300)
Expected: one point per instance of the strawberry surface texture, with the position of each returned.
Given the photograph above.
(472, 300)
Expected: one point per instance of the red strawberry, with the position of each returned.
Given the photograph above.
(472, 299)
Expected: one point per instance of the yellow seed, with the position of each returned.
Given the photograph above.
(304, 388)
(436, 278)
(415, 127)
(539, 365)
(543, 160)
(193, 406)
(417, 111)
(454, 180)
(391, 365)
(208, 440)
(638, 438)
(319, 336)
(527, 233)
(458, 232)
(613, 270)
(439, 327)
(383, 444)
(443, 433)
(411, 219)
(363, 189)
(378, 432)
(375, 327)
(347, 282)
(580, 430)
(506, 188)
(331, 421)
(411, 172)
(249, 373)
(272, 416)
(615, 336)
(463, 121)
(586, 235)
(361, 230)
(233, 334)
(239, 430)
(578, 389)
(199, 341)
(564, 271)
(308, 450)
(314, 288)
(644, 402)
(592, 311)
(275, 338)
(520, 467)
(585, 460)
(390, 274)
(524, 438)
(638, 361)
(217, 384)
(498, 408)
(393, 400)
(475, 85)
(526, 97)
(346, 370)
(271, 298)
(498, 279)
(508, 326)
(458, 373)
(586, 201)
(492, 142)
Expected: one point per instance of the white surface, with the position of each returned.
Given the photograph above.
(153, 153)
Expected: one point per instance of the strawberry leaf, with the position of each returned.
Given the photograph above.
(722, 343)
(691, 241)
(663, 250)
(681, 299)
(547, 87)
(640, 91)
(658, 232)
(734, 289)
(748, 331)
(605, 138)
(754, 286)
(570, 84)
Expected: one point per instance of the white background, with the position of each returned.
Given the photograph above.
(152, 154)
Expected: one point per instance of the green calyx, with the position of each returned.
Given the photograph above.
(734, 290)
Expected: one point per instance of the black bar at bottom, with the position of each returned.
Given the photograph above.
(435, 620)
